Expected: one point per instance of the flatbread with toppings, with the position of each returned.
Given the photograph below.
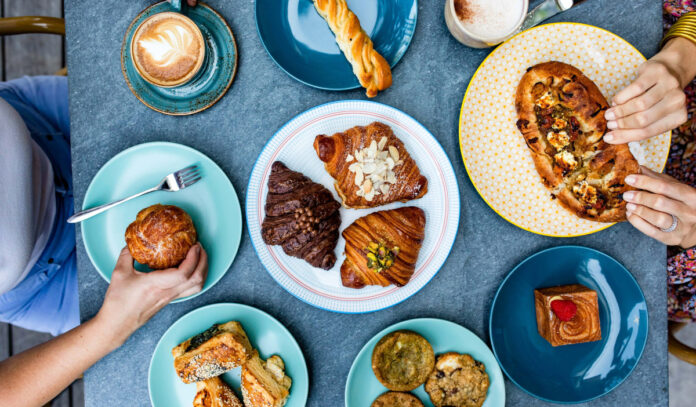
(561, 116)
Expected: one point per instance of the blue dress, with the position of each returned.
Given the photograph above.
(47, 299)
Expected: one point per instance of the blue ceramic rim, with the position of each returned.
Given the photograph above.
(495, 300)
(358, 86)
(175, 145)
(384, 332)
(126, 50)
(248, 196)
(222, 305)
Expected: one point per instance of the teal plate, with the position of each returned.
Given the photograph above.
(211, 82)
(362, 387)
(265, 333)
(212, 203)
(301, 43)
(571, 373)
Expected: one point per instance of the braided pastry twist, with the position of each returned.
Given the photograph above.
(369, 66)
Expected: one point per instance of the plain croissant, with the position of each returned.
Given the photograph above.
(369, 66)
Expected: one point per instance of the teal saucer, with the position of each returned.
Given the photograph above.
(211, 82)
(212, 203)
(362, 387)
(265, 333)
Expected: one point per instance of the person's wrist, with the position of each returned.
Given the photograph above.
(114, 332)
(679, 54)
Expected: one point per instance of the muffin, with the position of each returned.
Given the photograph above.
(402, 360)
(457, 381)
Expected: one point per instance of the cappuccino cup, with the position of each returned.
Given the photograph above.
(168, 49)
(484, 23)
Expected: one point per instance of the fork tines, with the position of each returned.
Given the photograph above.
(188, 176)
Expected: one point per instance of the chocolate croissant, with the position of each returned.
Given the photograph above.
(382, 248)
(301, 216)
(371, 166)
(214, 392)
(161, 236)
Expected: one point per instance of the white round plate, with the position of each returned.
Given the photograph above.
(496, 157)
(293, 145)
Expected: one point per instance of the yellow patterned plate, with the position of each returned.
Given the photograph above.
(497, 159)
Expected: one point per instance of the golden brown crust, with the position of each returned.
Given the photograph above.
(573, 154)
(402, 360)
(264, 382)
(396, 399)
(402, 228)
(161, 236)
(214, 392)
(334, 151)
(371, 69)
(212, 352)
(458, 380)
(583, 327)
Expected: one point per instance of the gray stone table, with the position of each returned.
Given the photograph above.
(429, 84)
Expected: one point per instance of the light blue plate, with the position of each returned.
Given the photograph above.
(211, 82)
(265, 333)
(570, 373)
(212, 203)
(362, 387)
(301, 43)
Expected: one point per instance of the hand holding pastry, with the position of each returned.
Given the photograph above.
(133, 297)
(655, 102)
(661, 201)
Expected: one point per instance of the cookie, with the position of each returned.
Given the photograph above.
(457, 381)
(402, 360)
(396, 399)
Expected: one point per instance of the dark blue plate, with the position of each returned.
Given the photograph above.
(301, 43)
(570, 373)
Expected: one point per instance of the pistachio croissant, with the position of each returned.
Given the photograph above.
(382, 248)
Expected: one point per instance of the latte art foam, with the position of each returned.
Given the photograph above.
(168, 49)
(169, 42)
(489, 19)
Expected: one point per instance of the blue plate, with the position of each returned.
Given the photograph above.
(570, 373)
(212, 203)
(301, 43)
(211, 82)
(265, 333)
(362, 387)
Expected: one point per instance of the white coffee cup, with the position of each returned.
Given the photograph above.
(490, 21)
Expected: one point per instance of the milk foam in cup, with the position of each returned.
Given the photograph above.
(484, 23)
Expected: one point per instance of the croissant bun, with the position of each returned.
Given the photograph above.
(369, 66)
(335, 152)
(400, 231)
(215, 393)
(161, 236)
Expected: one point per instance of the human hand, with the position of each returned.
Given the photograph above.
(659, 197)
(655, 102)
(133, 297)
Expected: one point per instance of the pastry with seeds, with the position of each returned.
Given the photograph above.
(402, 360)
(211, 353)
(214, 392)
(457, 381)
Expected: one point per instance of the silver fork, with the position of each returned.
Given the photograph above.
(173, 182)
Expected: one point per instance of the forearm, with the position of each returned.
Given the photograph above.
(680, 55)
(36, 376)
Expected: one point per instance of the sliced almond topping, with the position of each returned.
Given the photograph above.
(367, 186)
(394, 153)
(349, 158)
(359, 176)
(382, 143)
(384, 188)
